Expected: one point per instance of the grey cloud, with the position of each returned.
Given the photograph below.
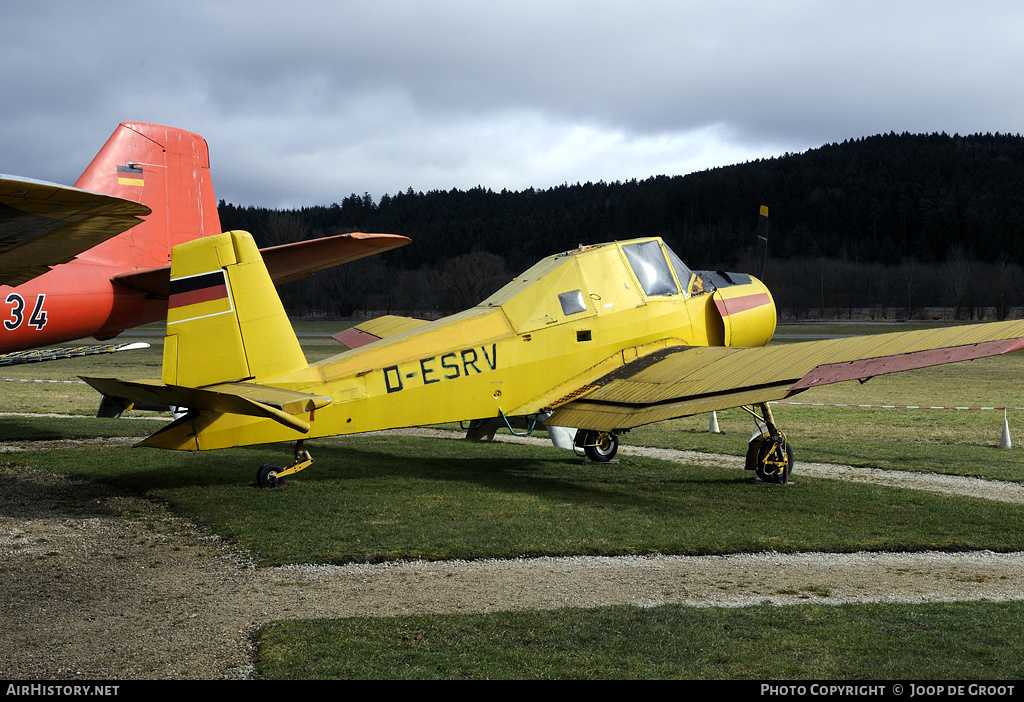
(382, 96)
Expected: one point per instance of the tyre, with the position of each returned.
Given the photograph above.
(266, 476)
(600, 446)
(773, 461)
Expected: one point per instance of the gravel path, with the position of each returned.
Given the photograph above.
(106, 585)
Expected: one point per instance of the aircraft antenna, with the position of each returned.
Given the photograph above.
(762, 241)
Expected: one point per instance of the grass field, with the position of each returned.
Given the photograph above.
(977, 641)
(379, 498)
(374, 498)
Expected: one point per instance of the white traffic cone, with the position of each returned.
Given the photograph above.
(1005, 442)
(713, 424)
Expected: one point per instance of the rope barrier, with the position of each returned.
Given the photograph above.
(28, 380)
(830, 404)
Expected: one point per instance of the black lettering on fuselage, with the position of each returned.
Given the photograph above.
(387, 379)
(450, 365)
(492, 360)
(452, 368)
(424, 371)
(469, 361)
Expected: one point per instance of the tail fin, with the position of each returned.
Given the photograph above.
(225, 321)
(168, 170)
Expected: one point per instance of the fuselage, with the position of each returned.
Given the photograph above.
(570, 319)
(72, 301)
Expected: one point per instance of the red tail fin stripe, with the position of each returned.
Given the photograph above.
(193, 297)
(194, 289)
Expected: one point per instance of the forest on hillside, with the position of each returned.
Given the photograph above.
(892, 225)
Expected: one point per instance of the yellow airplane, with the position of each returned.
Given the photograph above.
(587, 344)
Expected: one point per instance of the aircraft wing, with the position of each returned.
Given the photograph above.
(685, 380)
(377, 329)
(44, 224)
(285, 263)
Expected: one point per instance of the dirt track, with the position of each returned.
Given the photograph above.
(105, 585)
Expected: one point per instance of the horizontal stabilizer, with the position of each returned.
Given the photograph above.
(300, 259)
(285, 263)
(36, 355)
(250, 399)
(377, 329)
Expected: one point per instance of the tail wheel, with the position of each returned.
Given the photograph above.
(600, 446)
(266, 476)
(772, 458)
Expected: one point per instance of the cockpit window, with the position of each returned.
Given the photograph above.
(651, 268)
(683, 272)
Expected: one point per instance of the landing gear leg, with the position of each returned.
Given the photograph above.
(769, 453)
(270, 474)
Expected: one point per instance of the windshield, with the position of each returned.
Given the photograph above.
(683, 271)
(651, 268)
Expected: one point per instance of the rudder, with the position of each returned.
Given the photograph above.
(225, 321)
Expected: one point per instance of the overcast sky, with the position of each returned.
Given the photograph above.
(303, 103)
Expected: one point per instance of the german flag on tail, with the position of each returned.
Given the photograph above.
(130, 174)
(198, 296)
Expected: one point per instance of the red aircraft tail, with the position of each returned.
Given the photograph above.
(168, 170)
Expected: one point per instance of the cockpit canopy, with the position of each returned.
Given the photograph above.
(592, 280)
(653, 271)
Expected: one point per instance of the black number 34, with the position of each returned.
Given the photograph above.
(17, 302)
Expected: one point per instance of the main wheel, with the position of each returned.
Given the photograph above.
(773, 460)
(600, 446)
(266, 476)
